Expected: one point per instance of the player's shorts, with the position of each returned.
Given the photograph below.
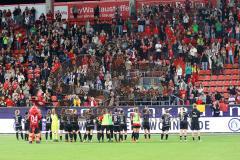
(136, 126)
(183, 125)
(146, 125)
(18, 128)
(34, 130)
(107, 127)
(89, 127)
(26, 126)
(165, 128)
(116, 128)
(195, 126)
(123, 127)
(68, 128)
(99, 127)
(48, 127)
(75, 126)
(61, 126)
(111, 127)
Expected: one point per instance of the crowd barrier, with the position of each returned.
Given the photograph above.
(227, 122)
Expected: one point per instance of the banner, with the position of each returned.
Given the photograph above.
(207, 125)
(172, 2)
(107, 9)
(156, 111)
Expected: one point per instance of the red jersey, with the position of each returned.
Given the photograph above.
(34, 117)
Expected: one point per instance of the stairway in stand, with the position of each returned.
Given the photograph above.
(213, 83)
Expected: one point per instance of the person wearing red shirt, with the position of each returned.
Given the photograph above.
(9, 102)
(34, 118)
(199, 101)
(15, 85)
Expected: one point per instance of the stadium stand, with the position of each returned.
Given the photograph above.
(165, 55)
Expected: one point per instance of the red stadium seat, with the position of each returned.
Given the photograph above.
(214, 78)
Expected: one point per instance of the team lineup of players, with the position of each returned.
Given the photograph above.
(113, 124)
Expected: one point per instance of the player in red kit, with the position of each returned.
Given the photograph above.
(34, 118)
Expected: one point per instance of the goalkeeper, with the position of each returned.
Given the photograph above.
(55, 125)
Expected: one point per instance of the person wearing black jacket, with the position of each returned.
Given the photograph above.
(216, 109)
(204, 61)
(195, 115)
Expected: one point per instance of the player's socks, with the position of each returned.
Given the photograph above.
(145, 136)
(71, 136)
(132, 135)
(162, 136)
(137, 136)
(60, 138)
(75, 137)
(98, 136)
(102, 135)
(17, 136)
(111, 133)
(66, 137)
(80, 136)
(46, 135)
(199, 138)
(193, 138)
(121, 137)
(90, 137)
(22, 135)
(166, 136)
(180, 137)
(185, 137)
(149, 136)
(125, 136)
(115, 136)
(85, 137)
(51, 135)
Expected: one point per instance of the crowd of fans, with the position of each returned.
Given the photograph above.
(54, 62)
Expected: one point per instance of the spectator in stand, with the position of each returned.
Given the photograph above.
(231, 99)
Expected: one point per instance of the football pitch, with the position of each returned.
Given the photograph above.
(212, 147)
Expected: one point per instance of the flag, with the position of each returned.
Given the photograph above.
(201, 108)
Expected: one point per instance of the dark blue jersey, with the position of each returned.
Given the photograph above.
(166, 119)
(122, 119)
(48, 119)
(146, 117)
(116, 119)
(194, 115)
(18, 120)
(90, 120)
(183, 117)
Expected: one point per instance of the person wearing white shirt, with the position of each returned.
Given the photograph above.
(179, 72)
(231, 100)
(158, 48)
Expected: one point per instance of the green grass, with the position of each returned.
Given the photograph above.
(212, 147)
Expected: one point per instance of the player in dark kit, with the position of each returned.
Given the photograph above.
(18, 124)
(26, 125)
(183, 118)
(89, 126)
(123, 125)
(48, 125)
(116, 124)
(146, 122)
(99, 128)
(68, 126)
(62, 123)
(195, 115)
(74, 121)
(166, 124)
